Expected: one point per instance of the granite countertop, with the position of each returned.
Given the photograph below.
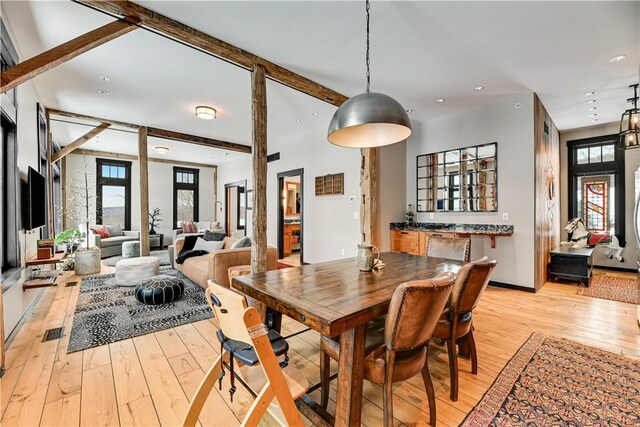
(291, 222)
(490, 229)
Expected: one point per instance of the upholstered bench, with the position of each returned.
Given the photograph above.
(159, 289)
(130, 271)
(131, 249)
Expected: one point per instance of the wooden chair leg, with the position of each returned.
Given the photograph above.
(453, 369)
(325, 374)
(471, 342)
(202, 393)
(431, 394)
(387, 403)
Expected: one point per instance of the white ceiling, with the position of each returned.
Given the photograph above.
(421, 51)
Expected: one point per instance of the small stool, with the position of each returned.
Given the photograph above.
(243, 270)
(130, 271)
(131, 249)
(159, 289)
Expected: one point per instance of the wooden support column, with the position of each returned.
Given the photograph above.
(26, 70)
(143, 163)
(259, 150)
(369, 196)
(78, 142)
(50, 207)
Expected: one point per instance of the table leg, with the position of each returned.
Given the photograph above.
(350, 376)
(274, 319)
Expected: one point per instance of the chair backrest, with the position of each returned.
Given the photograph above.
(228, 307)
(471, 281)
(450, 248)
(414, 311)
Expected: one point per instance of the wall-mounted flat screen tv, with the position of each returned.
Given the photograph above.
(37, 199)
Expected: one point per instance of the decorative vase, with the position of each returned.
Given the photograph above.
(87, 262)
(152, 231)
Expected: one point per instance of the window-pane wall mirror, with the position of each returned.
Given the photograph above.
(460, 180)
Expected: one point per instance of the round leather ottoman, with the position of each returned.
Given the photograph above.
(159, 289)
(130, 271)
(130, 249)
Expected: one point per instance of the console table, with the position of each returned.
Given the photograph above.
(156, 241)
(42, 283)
(571, 264)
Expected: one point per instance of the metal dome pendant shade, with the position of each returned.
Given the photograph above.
(369, 119)
(630, 123)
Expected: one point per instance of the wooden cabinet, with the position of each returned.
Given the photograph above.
(291, 238)
(415, 242)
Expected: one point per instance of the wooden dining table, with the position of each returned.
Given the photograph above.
(335, 299)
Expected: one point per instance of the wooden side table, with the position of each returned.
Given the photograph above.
(31, 283)
(158, 239)
(243, 270)
(571, 264)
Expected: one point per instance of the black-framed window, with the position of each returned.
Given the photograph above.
(596, 183)
(185, 195)
(42, 165)
(113, 193)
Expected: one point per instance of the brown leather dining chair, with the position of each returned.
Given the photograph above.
(451, 248)
(456, 322)
(398, 351)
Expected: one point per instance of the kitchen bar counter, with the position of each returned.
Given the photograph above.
(411, 238)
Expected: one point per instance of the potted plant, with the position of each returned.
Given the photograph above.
(79, 208)
(69, 240)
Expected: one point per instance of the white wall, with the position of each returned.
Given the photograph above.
(512, 129)
(632, 162)
(16, 301)
(392, 199)
(160, 191)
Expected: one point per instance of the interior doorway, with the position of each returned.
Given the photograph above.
(290, 216)
(235, 201)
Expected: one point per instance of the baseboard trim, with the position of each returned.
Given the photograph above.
(510, 286)
(629, 270)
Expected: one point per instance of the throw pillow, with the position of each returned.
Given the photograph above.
(189, 227)
(245, 242)
(214, 236)
(114, 230)
(101, 231)
(189, 243)
(203, 245)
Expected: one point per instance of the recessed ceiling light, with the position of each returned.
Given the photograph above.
(440, 100)
(161, 150)
(408, 110)
(103, 92)
(594, 120)
(477, 88)
(315, 136)
(594, 114)
(517, 105)
(104, 78)
(593, 92)
(591, 101)
(315, 113)
(617, 58)
(206, 113)
(298, 121)
(593, 108)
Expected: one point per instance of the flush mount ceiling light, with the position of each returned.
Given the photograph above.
(206, 113)
(630, 122)
(617, 58)
(478, 88)
(370, 119)
(161, 150)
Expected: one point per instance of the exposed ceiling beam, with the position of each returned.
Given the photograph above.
(32, 67)
(98, 153)
(188, 35)
(200, 140)
(61, 113)
(78, 142)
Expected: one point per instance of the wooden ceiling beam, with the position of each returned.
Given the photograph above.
(61, 113)
(205, 42)
(199, 140)
(132, 157)
(32, 67)
(78, 142)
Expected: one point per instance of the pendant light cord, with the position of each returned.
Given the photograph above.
(368, 59)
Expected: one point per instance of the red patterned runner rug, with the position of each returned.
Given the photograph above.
(616, 288)
(552, 381)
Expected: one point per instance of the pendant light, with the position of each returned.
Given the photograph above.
(630, 123)
(369, 119)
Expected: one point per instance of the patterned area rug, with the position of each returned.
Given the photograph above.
(163, 256)
(107, 312)
(557, 382)
(612, 287)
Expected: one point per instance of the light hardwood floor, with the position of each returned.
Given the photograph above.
(149, 380)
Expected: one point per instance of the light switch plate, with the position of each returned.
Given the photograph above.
(505, 216)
